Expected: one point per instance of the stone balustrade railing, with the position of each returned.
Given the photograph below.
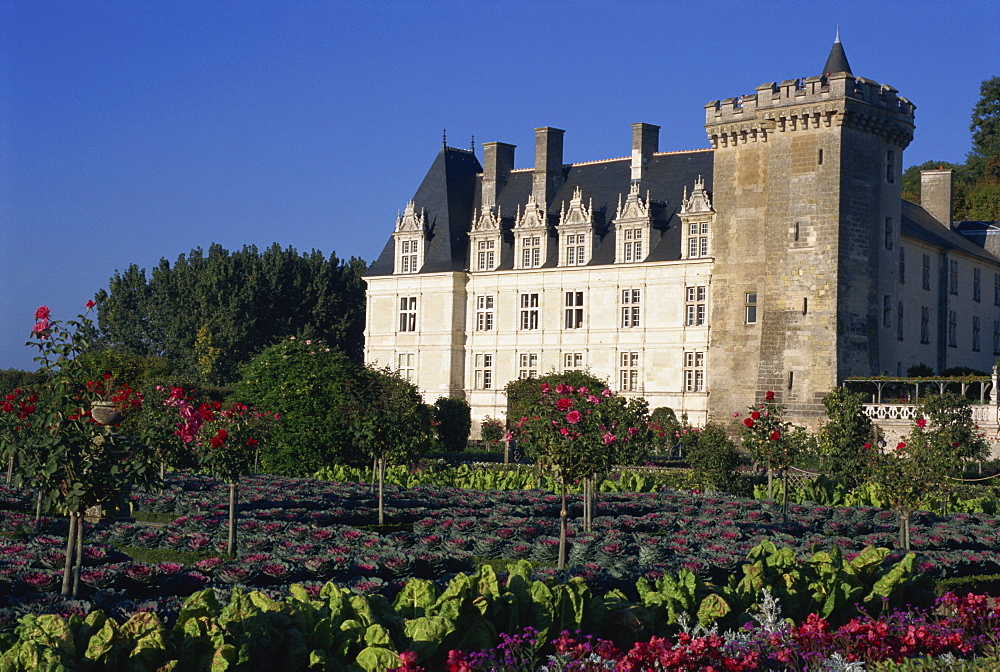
(982, 414)
(878, 412)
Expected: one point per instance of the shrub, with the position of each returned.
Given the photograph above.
(491, 430)
(714, 457)
(309, 385)
(452, 420)
(664, 425)
(846, 440)
(12, 379)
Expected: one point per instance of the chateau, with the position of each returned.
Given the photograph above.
(783, 259)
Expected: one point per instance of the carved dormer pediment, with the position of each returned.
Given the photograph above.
(411, 221)
(533, 216)
(635, 207)
(488, 221)
(699, 201)
(577, 214)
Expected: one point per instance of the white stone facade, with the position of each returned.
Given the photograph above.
(782, 259)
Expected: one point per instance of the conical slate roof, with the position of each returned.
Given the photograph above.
(837, 60)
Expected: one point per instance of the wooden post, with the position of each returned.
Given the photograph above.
(381, 491)
(231, 543)
(562, 528)
(68, 564)
(79, 554)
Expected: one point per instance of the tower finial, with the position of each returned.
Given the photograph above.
(837, 60)
(472, 145)
(444, 137)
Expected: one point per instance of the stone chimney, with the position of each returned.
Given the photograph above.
(498, 161)
(548, 175)
(937, 194)
(645, 142)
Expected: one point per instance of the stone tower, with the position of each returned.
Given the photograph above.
(807, 190)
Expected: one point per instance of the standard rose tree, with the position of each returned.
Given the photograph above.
(74, 462)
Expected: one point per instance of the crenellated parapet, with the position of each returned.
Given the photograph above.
(810, 103)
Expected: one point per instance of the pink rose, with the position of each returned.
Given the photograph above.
(609, 438)
(921, 422)
(42, 313)
(605, 393)
(563, 404)
(573, 417)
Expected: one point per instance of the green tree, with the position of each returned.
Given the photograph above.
(228, 443)
(984, 158)
(388, 421)
(210, 313)
(311, 386)
(845, 441)
(952, 434)
(943, 437)
(571, 431)
(452, 420)
(772, 442)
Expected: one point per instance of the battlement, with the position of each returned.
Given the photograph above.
(808, 91)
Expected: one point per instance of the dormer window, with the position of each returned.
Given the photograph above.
(485, 240)
(408, 257)
(632, 247)
(697, 240)
(578, 228)
(531, 236)
(696, 217)
(486, 258)
(410, 236)
(635, 234)
(531, 252)
(575, 245)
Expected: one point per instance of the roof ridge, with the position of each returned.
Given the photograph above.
(617, 158)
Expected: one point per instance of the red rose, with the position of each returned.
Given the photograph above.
(769, 396)
(775, 435)
(563, 404)
(755, 415)
(748, 422)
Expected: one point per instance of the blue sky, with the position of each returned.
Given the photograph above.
(135, 131)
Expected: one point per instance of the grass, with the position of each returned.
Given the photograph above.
(156, 555)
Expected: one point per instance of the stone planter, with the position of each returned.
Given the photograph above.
(105, 412)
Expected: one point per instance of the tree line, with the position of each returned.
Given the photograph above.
(207, 314)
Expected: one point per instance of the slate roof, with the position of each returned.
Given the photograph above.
(918, 223)
(837, 60)
(450, 196)
(446, 196)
